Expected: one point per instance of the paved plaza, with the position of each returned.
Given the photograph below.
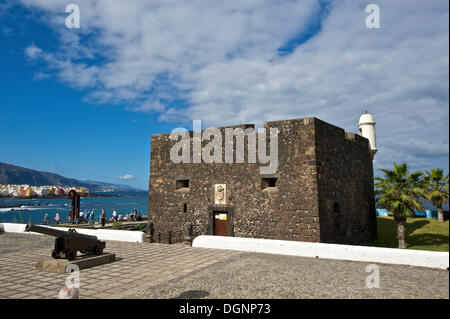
(145, 270)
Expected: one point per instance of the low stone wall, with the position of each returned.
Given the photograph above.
(419, 258)
(102, 234)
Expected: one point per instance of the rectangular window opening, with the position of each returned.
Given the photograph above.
(182, 183)
(269, 182)
(336, 208)
(184, 208)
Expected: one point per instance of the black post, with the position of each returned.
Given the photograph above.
(73, 211)
(78, 207)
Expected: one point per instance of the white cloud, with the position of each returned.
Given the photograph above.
(32, 51)
(41, 76)
(126, 177)
(220, 57)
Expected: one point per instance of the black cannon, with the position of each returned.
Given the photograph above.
(69, 242)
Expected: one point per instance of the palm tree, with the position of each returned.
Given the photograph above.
(398, 192)
(435, 185)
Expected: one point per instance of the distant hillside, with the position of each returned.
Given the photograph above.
(11, 174)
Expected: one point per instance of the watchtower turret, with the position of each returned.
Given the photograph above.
(366, 127)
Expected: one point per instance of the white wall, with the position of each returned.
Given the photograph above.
(421, 258)
(102, 234)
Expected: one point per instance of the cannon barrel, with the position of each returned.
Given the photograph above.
(56, 232)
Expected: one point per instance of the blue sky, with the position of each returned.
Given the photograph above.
(83, 102)
(47, 125)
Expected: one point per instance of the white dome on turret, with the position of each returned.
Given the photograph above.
(366, 118)
(366, 127)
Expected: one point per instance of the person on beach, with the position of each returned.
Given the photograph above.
(103, 217)
(120, 216)
(45, 220)
(57, 218)
(81, 217)
(114, 215)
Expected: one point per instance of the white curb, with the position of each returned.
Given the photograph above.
(420, 258)
(102, 234)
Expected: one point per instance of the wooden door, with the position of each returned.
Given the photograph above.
(221, 223)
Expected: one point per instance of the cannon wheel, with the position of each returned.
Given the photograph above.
(55, 254)
(70, 255)
(99, 251)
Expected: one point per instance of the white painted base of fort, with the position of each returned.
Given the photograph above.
(419, 258)
(102, 234)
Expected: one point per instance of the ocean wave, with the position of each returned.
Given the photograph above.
(24, 209)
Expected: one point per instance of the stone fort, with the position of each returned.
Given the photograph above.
(322, 190)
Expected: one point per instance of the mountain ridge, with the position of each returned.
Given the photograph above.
(17, 175)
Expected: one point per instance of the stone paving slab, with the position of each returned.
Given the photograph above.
(137, 265)
(262, 276)
(144, 270)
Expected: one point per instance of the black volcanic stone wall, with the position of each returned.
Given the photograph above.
(345, 179)
(289, 211)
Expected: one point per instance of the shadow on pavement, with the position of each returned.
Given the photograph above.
(192, 294)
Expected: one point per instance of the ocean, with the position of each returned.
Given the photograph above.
(29, 211)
